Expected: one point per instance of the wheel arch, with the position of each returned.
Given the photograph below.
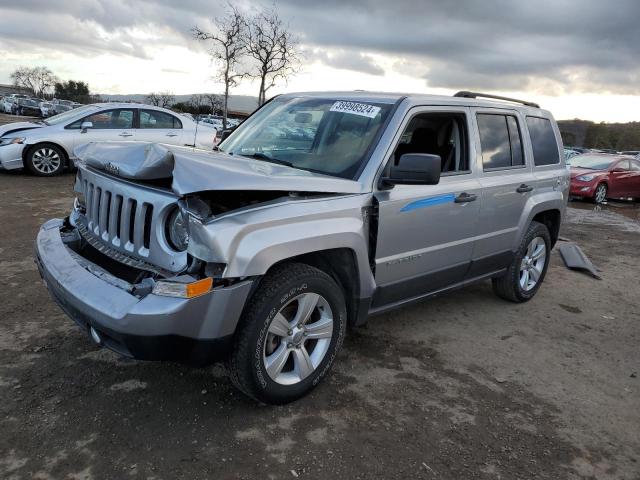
(552, 220)
(31, 146)
(341, 264)
(548, 209)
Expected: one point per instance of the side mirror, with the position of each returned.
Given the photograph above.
(619, 170)
(415, 169)
(84, 126)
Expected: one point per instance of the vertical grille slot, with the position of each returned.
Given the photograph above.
(105, 205)
(89, 200)
(132, 221)
(95, 215)
(148, 218)
(114, 219)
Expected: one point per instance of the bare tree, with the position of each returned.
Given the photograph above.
(166, 99)
(228, 49)
(197, 101)
(161, 99)
(38, 80)
(215, 101)
(153, 99)
(274, 48)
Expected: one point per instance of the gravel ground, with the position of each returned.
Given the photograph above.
(463, 386)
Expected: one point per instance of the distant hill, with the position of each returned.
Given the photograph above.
(617, 136)
(237, 103)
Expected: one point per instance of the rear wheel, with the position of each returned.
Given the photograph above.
(45, 160)
(526, 273)
(290, 334)
(600, 195)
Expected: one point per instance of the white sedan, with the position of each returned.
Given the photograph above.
(46, 147)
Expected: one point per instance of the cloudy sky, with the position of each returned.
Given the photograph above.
(578, 58)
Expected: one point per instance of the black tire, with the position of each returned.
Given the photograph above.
(32, 163)
(508, 286)
(596, 199)
(276, 291)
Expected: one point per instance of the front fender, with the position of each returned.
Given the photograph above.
(251, 243)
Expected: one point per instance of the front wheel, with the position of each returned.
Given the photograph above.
(290, 334)
(45, 160)
(526, 273)
(600, 195)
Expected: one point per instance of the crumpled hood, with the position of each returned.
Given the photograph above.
(199, 170)
(11, 128)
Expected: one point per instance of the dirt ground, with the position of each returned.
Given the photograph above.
(460, 387)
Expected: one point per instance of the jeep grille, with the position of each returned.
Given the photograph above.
(129, 218)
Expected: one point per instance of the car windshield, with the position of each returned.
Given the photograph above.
(592, 162)
(328, 136)
(71, 115)
(29, 103)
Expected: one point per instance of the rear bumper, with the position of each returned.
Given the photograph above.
(196, 330)
(11, 157)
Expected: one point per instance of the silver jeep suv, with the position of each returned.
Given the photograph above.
(319, 210)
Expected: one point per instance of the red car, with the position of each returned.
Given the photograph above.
(602, 176)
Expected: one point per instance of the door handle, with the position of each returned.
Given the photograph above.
(125, 134)
(465, 197)
(172, 134)
(524, 188)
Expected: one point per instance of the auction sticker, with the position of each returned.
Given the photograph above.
(355, 108)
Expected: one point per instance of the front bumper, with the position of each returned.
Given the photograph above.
(11, 156)
(582, 189)
(196, 330)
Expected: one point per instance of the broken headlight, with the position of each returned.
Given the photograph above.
(177, 231)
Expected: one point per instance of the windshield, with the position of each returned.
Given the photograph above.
(322, 135)
(28, 103)
(592, 162)
(71, 115)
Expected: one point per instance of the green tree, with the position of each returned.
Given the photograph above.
(72, 90)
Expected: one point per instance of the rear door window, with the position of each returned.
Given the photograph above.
(543, 141)
(500, 141)
(158, 119)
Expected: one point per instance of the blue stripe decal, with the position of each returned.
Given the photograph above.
(429, 202)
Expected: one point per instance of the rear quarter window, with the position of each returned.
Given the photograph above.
(543, 141)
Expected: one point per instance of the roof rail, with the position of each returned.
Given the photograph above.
(465, 94)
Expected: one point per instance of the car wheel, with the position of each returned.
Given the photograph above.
(289, 335)
(600, 195)
(45, 160)
(526, 273)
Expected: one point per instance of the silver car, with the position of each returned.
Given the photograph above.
(46, 147)
(320, 210)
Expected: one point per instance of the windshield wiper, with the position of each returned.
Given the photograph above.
(267, 158)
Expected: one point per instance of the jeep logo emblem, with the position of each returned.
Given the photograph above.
(111, 168)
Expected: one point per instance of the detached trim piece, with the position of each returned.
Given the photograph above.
(465, 94)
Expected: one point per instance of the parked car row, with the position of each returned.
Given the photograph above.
(46, 147)
(24, 105)
(570, 152)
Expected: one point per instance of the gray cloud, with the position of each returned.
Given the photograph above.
(552, 45)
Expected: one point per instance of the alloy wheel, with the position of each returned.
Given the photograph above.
(532, 264)
(601, 193)
(298, 339)
(46, 160)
